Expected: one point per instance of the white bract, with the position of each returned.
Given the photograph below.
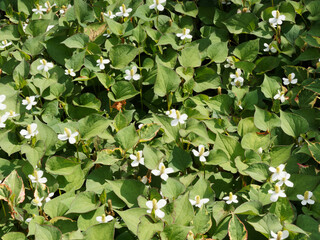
(198, 202)
(144, 180)
(260, 150)
(277, 18)
(184, 34)
(306, 198)
(278, 192)
(279, 235)
(278, 172)
(30, 132)
(171, 113)
(68, 135)
(37, 177)
(231, 198)
(269, 47)
(5, 43)
(177, 117)
(49, 27)
(280, 95)
(2, 105)
(201, 153)
(157, 4)
(2, 120)
(45, 66)
(123, 11)
(39, 9)
(29, 101)
(101, 62)
(132, 74)
(104, 218)
(37, 201)
(70, 72)
(49, 6)
(137, 159)
(290, 79)
(238, 80)
(284, 180)
(50, 195)
(155, 206)
(163, 171)
(109, 14)
(230, 63)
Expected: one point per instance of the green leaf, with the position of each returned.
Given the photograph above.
(283, 209)
(229, 145)
(172, 133)
(172, 188)
(115, 27)
(293, 124)
(128, 190)
(258, 171)
(218, 51)
(59, 205)
(190, 57)
(152, 157)
(34, 154)
(167, 81)
(60, 165)
(93, 125)
(254, 141)
(46, 232)
(17, 191)
(87, 100)
(14, 236)
(206, 78)
(187, 8)
(266, 224)
(122, 55)
(201, 222)
(122, 90)
(147, 228)
(265, 120)
(247, 51)
(249, 208)
(108, 156)
(148, 131)
(131, 217)
(265, 64)
(242, 23)
(175, 232)
(246, 125)
(78, 40)
(104, 231)
(183, 211)
(127, 137)
(269, 87)
(83, 12)
(179, 159)
(314, 149)
(309, 225)
(84, 202)
(280, 154)
(236, 229)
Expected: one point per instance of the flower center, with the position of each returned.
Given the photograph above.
(230, 196)
(154, 203)
(277, 189)
(278, 170)
(109, 13)
(67, 132)
(29, 129)
(103, 218)
(306, 195)
(11, 113)
(237, 74)
(48, 4)
(69, 71)
(101, 60)
(4, 42)
(290, 77)
(38, 6)
(279, 235)
(184, 31)
(123, 8)
(198, 199)
(238, 83)
(163, 169)
(277, 14)
(28, 99)
(157, 2)
(284, 179)
(178, 114)
(132, 72)
(44, 62)
(201, 151)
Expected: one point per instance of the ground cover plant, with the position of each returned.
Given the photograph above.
(159, 119)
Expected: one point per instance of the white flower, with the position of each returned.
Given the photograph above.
(44, 65)
(25, 25)
(260, 150)
(49, 27)
(184, 34)
(276, 193)
(5, 43)
(39, 9)
(144, 179)
(230, 63)
(109, 14)
(155, 206)
(280, 95)
(2, 120)
(157, 4)
(2, 99)
(201, 153)
(277, 18)
(37, 177)
(198, 202)
(28, 219)
(140, 125)
(30, 132)
(29, 101)
(101, 62)
(278, 172)
(280, 235)
(238, 80)
(50, 195)
(227, 2)
(178, 118)
(37, 201)
(284, 180)
(104, 218)
(171, 113)
(163, 171)
(68, 135)
(70, 72)
(306, 198)
(137, 159)
(123, 11)
(12, 114)
(231, 198)
(132, 74)
(64, 9)
(290, 79)
(269, 47)
(49, 6)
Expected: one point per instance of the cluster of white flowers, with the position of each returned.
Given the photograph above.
(177, 117)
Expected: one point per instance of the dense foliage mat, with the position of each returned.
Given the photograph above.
(159, 119)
